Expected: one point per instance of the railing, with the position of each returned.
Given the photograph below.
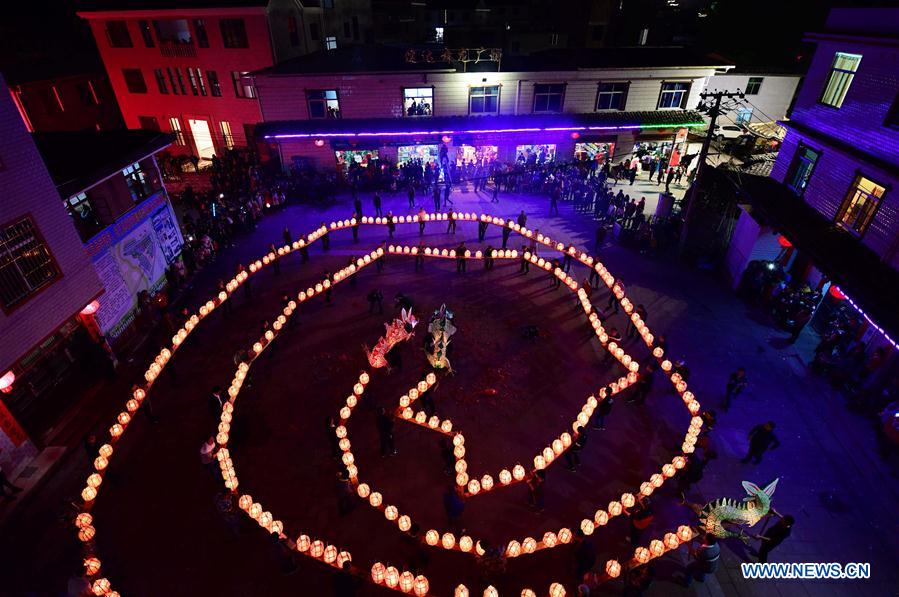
(176, 49)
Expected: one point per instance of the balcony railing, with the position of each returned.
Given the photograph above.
(177, 49)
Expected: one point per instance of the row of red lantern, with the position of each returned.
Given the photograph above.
(450, 253)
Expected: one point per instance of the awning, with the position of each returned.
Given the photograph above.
(598, 122)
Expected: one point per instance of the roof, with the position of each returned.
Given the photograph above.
(381, 58)
(126, 5)
(79, 160)
(438, 125)
(856, 269)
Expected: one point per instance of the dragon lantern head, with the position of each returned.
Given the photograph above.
(759, 498)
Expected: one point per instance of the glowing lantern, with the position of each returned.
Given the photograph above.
(564, 535)
(317, 549)
(671, 541)
(836, 293)
(656, 548)
(407, 580)
(556, 590)
(459, 451)
(528, 593)
(91, 566)
(446, 426)
(434, 422)
(668, 470)
(529, 545)
(303, 543)
(330, 555)
(461, 466)
(458, 439)
(265, 519)
(656, 480)
(344, 444)
(486, 482)
(448, 540)
(462, 479)
(375, 499)
(587, 526)
(513, 549)
(646, 488)
(549, 539)
(627, 500)
(100, 463)
(465, 543)
(378, 573)
(404, 523)
(518, 472)
(88, 494)
(345, 412)
(432, 537)
(277, 527)
(255, 511)
(491, 592)
(642, 555)
(539, 462)
(421, 586)
(391, 513)
(461, 591)
(348, 458)
(83, 520)
(505, 477)
(474, 487)
(684, 533)
(613, 568)
(86, 534)
(601, 517)
(679, 462)
(342, 557)
(614, 508)
(101, 586)
(116, 430)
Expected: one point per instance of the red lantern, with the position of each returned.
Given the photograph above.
(836, 293)
(575, 135)
(319, 142)
(783, 242)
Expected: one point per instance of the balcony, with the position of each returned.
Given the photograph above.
(178, 49)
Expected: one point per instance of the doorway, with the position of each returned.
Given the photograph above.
(199, 129)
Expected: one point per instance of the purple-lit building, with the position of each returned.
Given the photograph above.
(830, 211)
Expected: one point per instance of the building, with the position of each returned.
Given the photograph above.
(46, 281)
(180, 67)
(76, 102)
(768, 95)
(829, 214)
(374, 102)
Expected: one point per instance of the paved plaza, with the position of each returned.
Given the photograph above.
(158, 528)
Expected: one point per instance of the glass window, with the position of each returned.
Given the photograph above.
(180, 81)
(200, 31)
(172, 81)
(418, 101)
(801, 168)
(214, 85)
(148, 123)
(549, 98)
(137, 181)
(173, 31)
(323, 103)
(192, 78)
(861, 204)
(242, 88)
(226, 134)
(754, 85)
(234, 33)
(26, 264)
(175, 125)
(201, 81)
(146, 33)
(134, 80)
(744, 115)
(484, 100)
(117, 34)
(160, 81)
(841, 74)
(330, 43)
(674, 95)
(612, 96)
(83, 215)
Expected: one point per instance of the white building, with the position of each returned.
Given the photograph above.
(768, 96)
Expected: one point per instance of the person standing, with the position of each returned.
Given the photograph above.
(495, 198)
(385, 431)
(525, 264)
(535, 485)
(488, 258)
(287, 238)
(506, 233)
(641, 518)
(357, 205)
(631, 328)
(411, 194)
(644, 384)
(774, 536)
(482, 230)
(735, 386)
(326, 238)
(554, 201)
(446, 194)
(566, 259)
(761, 439)
(573, 455)
(603, 409)
(420, 256)
(460, 258)
(668, 178)
(600, 237)
(584, 555)
(391, 225)
(522, 219)
(453, 506)
(436, 199)
(355, 226)
(421, 221)
(613, 300)
(376, 200)
(450, 221)
(705, 559)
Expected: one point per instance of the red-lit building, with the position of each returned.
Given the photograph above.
(179, 66)
(74, 102)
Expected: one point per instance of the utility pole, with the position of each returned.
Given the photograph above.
(714, 112)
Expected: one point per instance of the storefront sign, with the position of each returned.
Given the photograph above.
(10, 427)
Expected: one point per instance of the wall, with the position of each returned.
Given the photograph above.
(28, 190)
(750, 242)
(81, 109)
(229, 108)
(770, 104)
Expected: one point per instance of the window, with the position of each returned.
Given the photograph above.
(200, 80)
(327, 3)
(145, 32)
(180, 81)
(323, 103)
(137, 181)
(313, 31)
(801, 168)
(841, 74)
(117, 34)
(160, 81)
(612, 96)
(549, 98)
(293, 31)
(330, 43)
(483, 100)
(83, 216)
(172, 81)
(148, 123)
(173, 31)
(744, 115)
(861, 204)
(214, 85)
(175, 125)
(200, 31)
(88, 94)
(192, 79)
(226, 134)
(26, 264)
(438, 35)
(674, 95)
(418, 101)
(242, 88)
(754, 85)
(234, 33)
(134, 80)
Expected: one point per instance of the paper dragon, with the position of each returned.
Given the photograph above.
(441, 328)
(714, 515)
(399, 330)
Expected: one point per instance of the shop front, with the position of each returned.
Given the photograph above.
(477, 155)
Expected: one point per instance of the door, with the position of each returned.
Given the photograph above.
(199, 129)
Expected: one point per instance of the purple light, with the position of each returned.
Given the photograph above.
(477, 131)
(869, 320)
